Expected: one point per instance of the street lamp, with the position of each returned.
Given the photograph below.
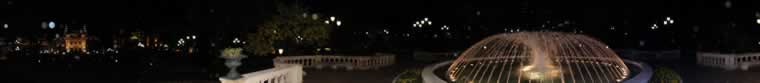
(338, 23)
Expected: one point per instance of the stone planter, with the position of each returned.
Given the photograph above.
(232, 63)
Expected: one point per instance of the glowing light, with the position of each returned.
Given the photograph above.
(140, 44)
(540, 57)
(180, 42)
(193, 36)
(51, 24)
(5, 26)
(314, 16)
(236, 40)
(727, 4)
(280, 51)
(758, 21)
(338, 23)
(332, 18)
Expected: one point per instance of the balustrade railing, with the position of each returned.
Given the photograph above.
(729, 61)
(333, 61)
(281, 73)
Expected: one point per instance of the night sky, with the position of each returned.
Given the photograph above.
(164, 15)
(237, 16)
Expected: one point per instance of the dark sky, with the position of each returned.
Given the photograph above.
(200, 15)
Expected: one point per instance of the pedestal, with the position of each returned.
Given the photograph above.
(232, 63)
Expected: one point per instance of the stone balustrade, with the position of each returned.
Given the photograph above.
(729, 61)
(281, 73)
(335, 62)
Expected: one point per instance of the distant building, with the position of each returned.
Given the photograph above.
(75, 42)
(74, 39)
(729, 61)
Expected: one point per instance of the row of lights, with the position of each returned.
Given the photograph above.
(667, 21)
(237, 41)
(333, 20)
(182, 41)
(45, 25)
(424, 21)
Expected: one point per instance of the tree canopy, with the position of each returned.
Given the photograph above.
(290, 25)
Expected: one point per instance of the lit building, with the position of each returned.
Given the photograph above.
(75, 41)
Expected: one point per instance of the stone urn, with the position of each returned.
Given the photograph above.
(233, 57)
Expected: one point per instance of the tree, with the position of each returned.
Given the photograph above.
(665, 75)
(291, 24)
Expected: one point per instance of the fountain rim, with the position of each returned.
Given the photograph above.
(428, 75)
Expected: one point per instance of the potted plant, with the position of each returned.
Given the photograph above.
(233, 57)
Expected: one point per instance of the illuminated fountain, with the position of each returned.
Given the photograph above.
(538, 57)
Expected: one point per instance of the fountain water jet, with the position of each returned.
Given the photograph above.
(538, 57)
